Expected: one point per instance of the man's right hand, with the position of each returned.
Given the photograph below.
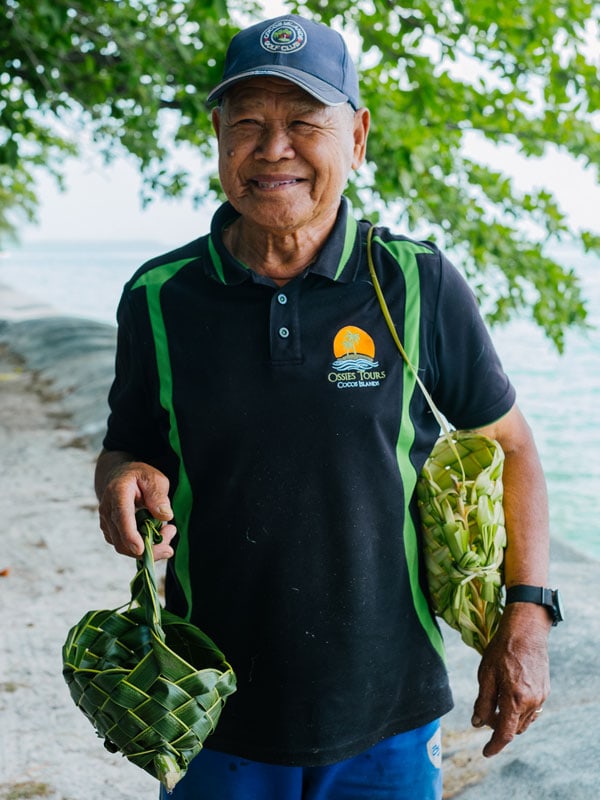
(123, 486)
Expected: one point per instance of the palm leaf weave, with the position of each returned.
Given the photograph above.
(152, 685)
(460, 500)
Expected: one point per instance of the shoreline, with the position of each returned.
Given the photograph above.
(55, 371)
(71, 357)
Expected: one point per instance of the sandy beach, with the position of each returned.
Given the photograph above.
(54, 566)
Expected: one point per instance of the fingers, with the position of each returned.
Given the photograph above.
(133, 486)
(484, 709)
(511, 718)
(164, 549)
(512, 690)
(506, 726)
(117, 519)
(526, 720)
(505, 729)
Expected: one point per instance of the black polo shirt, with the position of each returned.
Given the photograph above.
(293, 435)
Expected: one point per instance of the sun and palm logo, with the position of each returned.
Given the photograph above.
(353, 349)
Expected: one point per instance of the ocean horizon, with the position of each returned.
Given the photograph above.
(559, 394)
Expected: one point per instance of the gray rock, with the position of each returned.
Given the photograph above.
(73, 359)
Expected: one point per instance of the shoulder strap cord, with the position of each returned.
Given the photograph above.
(392, 328)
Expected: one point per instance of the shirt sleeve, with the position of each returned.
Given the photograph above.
(132, 423)
(471, 387)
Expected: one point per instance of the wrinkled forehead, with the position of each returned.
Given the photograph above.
(261, 89)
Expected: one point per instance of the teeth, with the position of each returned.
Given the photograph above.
(273, 184)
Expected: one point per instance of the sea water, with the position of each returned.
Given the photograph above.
(559, 394)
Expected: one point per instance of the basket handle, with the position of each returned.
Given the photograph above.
(144, 590)
(392, 328)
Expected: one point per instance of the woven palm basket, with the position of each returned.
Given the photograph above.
(152, 685)
(460, 501)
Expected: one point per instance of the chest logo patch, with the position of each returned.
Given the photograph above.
(355, 365)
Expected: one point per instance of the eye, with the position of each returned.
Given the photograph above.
(302, 125)
(244, 123)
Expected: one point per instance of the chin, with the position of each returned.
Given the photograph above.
(276, 218)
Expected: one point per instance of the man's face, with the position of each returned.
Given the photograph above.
(284, 157)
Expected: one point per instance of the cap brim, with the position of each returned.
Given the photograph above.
(324, 92)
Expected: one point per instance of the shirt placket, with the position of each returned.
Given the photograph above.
(285, 338)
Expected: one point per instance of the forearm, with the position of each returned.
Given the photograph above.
(526, 512)
(514, 674)
(525, 502)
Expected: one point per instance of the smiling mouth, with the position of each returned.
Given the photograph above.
(275, 184)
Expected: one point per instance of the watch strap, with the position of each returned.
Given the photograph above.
(530, 594)
(549, 598)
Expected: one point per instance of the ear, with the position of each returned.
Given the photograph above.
(216, 120)
(362, 123)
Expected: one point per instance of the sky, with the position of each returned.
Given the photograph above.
(103, 202)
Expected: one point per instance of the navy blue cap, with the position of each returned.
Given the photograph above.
(307, 53)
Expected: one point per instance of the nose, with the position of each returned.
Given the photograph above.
(275, 143)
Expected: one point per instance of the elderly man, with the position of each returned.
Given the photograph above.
(260, 408)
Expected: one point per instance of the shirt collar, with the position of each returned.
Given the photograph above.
(338, 259)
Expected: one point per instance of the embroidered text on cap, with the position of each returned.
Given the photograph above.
(284, 36)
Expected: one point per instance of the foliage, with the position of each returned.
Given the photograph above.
(434, 73)
(120, 63)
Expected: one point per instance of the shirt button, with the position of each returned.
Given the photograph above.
(284, 333)
(282, 299)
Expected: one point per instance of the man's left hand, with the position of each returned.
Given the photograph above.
(514, 675)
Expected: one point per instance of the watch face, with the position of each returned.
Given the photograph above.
(558, 607)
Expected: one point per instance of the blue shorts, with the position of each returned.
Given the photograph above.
(403, 767)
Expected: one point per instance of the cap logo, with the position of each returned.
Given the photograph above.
(284, 36)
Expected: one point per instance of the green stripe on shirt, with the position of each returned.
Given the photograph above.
(404, 253)
(154, 280)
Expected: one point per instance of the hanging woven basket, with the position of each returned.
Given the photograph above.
(460, 501)
(152, 685)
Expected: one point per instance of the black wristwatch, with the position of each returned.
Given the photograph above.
(549, 598)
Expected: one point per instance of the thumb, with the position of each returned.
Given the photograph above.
(155, 496)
